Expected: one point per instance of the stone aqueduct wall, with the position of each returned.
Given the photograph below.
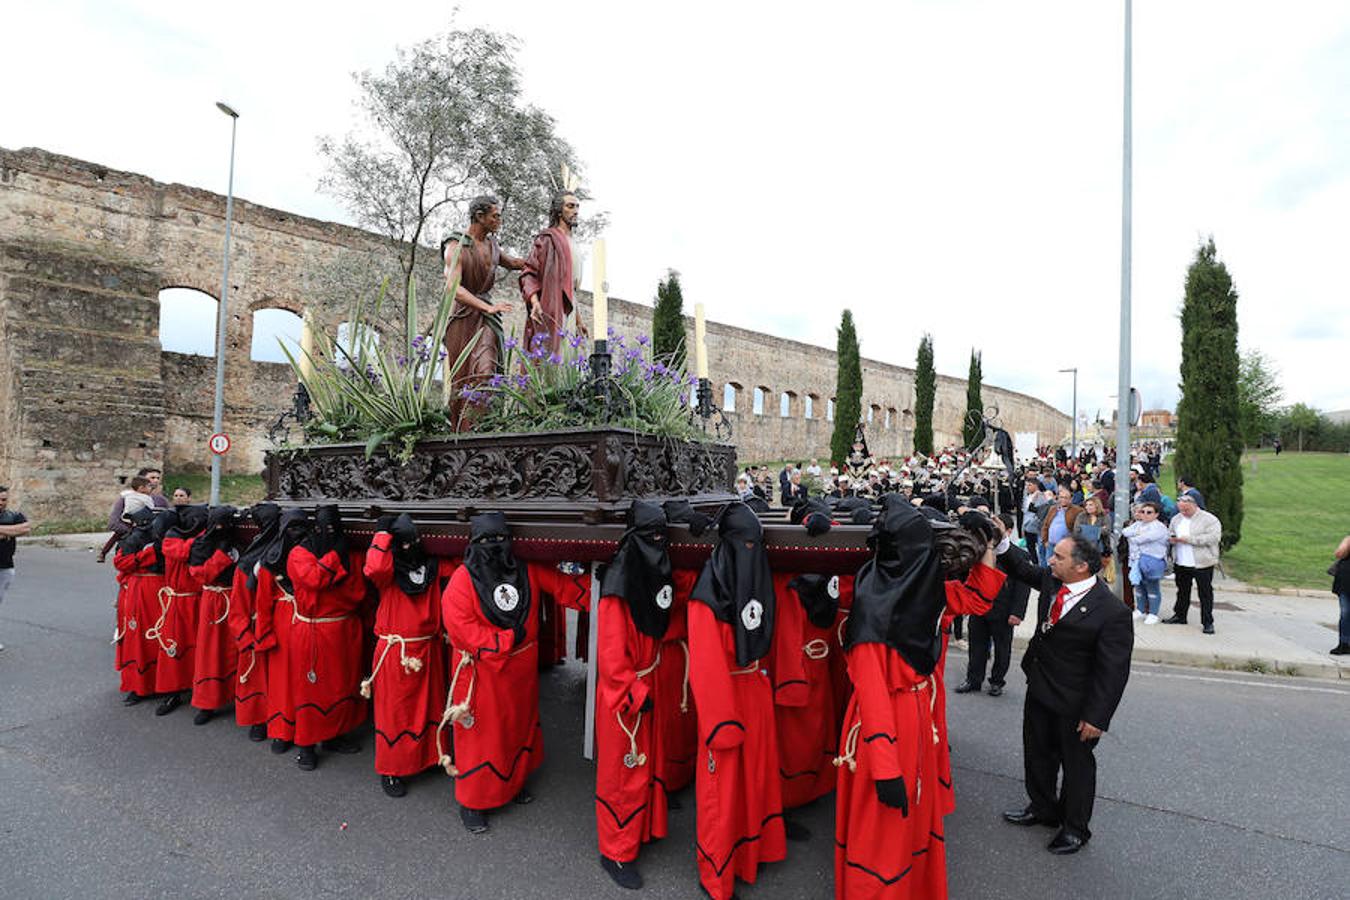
(88, 397)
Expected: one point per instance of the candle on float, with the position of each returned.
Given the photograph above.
(700, 342)
(306, 345)
(600, 298)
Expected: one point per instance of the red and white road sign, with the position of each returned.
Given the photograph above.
(219, 443)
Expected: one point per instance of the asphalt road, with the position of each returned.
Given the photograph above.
(1210, 785)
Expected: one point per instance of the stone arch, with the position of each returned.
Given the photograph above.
(872, 410)
(730, 391)
(829, 410)
(266, 326)
(187, 321)
(759, 400)
(892, 418)
(787, 404)
(812, 400)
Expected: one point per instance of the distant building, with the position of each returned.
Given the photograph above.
(1340, 416)
(1157, 418)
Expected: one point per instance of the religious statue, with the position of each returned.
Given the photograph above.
(473, 257)
(547, 283)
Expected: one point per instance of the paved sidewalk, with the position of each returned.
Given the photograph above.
(1277, 631)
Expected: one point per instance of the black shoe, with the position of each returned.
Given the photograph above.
(132, 698)
(966, 687)
(342, 744)
(1174, 620)
(168, 705)
(1338, 650)
(524, 798)
(257, 733)
(203, 716)
(1027, 817)
(995, 690)
(625, 875)
(1208, 629)
(307, 759)
(1065, 843)
(393, 785)
(280, 746)
(473, 819)
(795, 831)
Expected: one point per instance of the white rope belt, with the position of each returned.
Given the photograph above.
(816, 649)
(850, 755)
(410, 663)
(252, 661)
(155, 632)
(224, 592)
(632, 759)
(684, 685)
(460, 713)
(316, 620)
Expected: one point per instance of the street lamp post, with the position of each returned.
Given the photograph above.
(1074, 439)
(222, 308)
(1122, 498)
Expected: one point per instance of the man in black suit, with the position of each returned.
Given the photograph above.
(1076, 664)
(1010, 606)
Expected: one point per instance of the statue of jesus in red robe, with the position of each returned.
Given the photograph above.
(547, 283)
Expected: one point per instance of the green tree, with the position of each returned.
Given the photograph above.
(847, 391)
(1209, 439)
(925, 388)
(971, 431)
(1301, 425)
(668, 322)
(1259, 396)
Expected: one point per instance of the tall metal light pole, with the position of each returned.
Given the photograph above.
(1074, 445)
(1122, 498)
(222, 308)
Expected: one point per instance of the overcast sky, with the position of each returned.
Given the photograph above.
(950, 166)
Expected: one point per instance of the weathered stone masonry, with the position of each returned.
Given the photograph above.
(87, 396)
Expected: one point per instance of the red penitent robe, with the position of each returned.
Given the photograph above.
(973, 598)
(740, 804)
(176, 630)
(250, 682)
(808, 734)
(497, 742)
(275, 611)
(843, 688)
(326, 659)
(673, 718)
(630, 803)
(407, 681)
(548, 272)
(214, 676)
(137, 655)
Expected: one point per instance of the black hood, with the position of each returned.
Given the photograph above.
(267, 516)
(501, 582)
(218, 535)
(326, 534)
(138, 538)
(165, 522)
(640, 572)
(899, 595)
(736, 583)
(293, 528)
(819, 595)
(413, 572)
(191, 521)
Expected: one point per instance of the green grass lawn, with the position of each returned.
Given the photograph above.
(1293, 517)
(236, 490)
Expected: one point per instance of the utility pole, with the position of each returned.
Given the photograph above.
(1074, 439)
(217, 421)
(1122, 498)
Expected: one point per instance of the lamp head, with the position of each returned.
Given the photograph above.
(226, 109)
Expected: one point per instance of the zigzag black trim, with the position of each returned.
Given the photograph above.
(246, 697)
(719, 726)
(619, 823)
(407, 732)
(802, 774)
(140, 670)
(736, 846)
(938, 836)
(779, 687)
(879, 734)
(326, 712)
(487, 764)
(214, 678)
(946, 784)
(277, 715)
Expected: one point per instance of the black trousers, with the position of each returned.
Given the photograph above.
(982, 632)
(1204, 580)
(1050, 743)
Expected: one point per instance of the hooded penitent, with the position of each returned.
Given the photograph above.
(293, 528)
(166, 520)
(267, 516)
(640, 572)
(737, 585)
(820, 597)
(216, 536)
(191, 521)
(327, 534)
(138, 537)
(899, 595)
(412, 572)
(500, 581)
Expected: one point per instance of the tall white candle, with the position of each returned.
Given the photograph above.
(700, 342)
(600, 300)
(306, 344)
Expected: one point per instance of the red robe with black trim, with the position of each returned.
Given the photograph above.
(214, 674)
(498, 743)
(178, 619)
(630, 802)
(890, 730)
(250, 682)
(407, 681)
(843, 688)
(808, 734)
(325, 657)
(137, 656)
(274, 611)
(740, 803)
(674, 720)
(974, 598)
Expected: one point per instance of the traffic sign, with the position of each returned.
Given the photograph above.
(219, 443)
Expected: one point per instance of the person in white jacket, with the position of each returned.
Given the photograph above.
(1195, 536)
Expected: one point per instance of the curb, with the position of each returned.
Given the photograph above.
(1329, 670)
(1239, 587)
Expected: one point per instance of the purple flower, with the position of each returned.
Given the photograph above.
(537, 340)
(442, 355)
(402, 361)
(522, 381)
(611, 333)
(511, 343)
(575, 341)
(580, 364)
(555, 359)
(538, 353)
(633, 354)
(497, 380)
(644, 340)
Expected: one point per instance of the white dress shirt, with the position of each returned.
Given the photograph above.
(1183, 554)
(1077, 591)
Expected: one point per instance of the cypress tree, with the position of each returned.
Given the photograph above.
(1209, 436)
(668, 322)
(925, 388)
(847, 391)
(970, 431)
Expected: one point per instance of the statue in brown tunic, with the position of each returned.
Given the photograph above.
(546, 283)
(473, 258)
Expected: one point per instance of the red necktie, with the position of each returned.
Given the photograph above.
(1058, 606)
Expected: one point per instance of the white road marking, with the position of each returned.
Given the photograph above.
(1266, 684)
